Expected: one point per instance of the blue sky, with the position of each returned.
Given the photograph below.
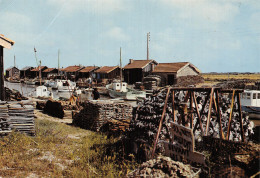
(214, 35)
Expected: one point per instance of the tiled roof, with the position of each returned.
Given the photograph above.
(11, 68)
(106, 69)
(49, 70)
(172, 67)
(138, 64)
(36, 69)
(88, 69)
(71, 69)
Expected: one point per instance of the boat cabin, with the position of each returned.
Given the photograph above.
(41, 91)
(117, 86)
(250, 98)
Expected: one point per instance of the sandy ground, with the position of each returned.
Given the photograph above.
(67, 118)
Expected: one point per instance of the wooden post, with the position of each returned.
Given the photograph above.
(173, 112)
(161, 121)
(2, 87)
(240, 117)
(230, 116)
(210, 110)
(221, 134)
(191, 110)
(198, 113)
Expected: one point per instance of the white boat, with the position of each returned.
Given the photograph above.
(120, 90)
(42, 91)
(250, 102)
(64, 85)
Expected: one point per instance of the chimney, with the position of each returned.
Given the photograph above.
(131, 61)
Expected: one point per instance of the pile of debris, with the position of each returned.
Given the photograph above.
(13, 95)
(103, 115)
(51, 107)
(164, 167)
(185, 81)
(238, 84)
(17, 116)
(146, 119)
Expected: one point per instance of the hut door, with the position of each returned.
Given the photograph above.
(170, 79)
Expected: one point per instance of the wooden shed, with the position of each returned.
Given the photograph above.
(4, 43)
(35, 72)
(49, 73)
(108, 73)
(170, 72)
(88, 71)
(71, 72)
(26, 72)
(12, 72)
(135, 70)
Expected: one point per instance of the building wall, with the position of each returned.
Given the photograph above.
(164, 77)
(187, 71)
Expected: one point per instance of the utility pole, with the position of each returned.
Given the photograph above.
(2, 88)
(148, 39)
(14, 61)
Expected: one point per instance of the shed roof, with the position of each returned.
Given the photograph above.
(36, 69)
(106, 69)
(173, 67)
(11, 68)
(88, 69)
(138, 64)
(49, 70)
(72, 68)
(6, 42)
(26, 68)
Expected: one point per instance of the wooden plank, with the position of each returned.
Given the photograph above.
(230, 115)
(182, 135)
(210, 110)
(198, 114)
(161, 121)
(179, 154)
(240, 118)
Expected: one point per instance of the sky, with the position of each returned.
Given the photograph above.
(214, 35)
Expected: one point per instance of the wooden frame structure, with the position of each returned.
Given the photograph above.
(213, 98)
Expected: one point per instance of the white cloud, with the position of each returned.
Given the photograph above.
(210, 10)
(94, 6)
(116, 33)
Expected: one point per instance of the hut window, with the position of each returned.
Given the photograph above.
(248, 96)
(258, 95)
(254, 95)
(117, 85)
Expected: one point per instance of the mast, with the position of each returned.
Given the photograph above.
(120, 69)
(14, 61)
(148, 39)
(39, 66)
(58, 61)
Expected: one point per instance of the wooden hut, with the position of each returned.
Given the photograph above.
(26, 72)
(88, 71)
(135, 70)
(12, 72)
(4, 43)
(107, 73)
(35, 72)
(50, 73)
(71, 72)
(170, 72)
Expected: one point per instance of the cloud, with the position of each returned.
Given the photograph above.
(209, 10)
(116, 33)
(94, 6)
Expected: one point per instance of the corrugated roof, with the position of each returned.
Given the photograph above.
(106, 69)
(71, 69)
(138, 64)
(170, 67)
(26, 68)
(88, 69)
(36, 69)
(6, 42)
(49, 70)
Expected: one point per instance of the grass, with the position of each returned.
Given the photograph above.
(231, 76)
(60, 150)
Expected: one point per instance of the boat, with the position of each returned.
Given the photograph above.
(42, 91)
(64, 85)
(120, 90)
(250, 103)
